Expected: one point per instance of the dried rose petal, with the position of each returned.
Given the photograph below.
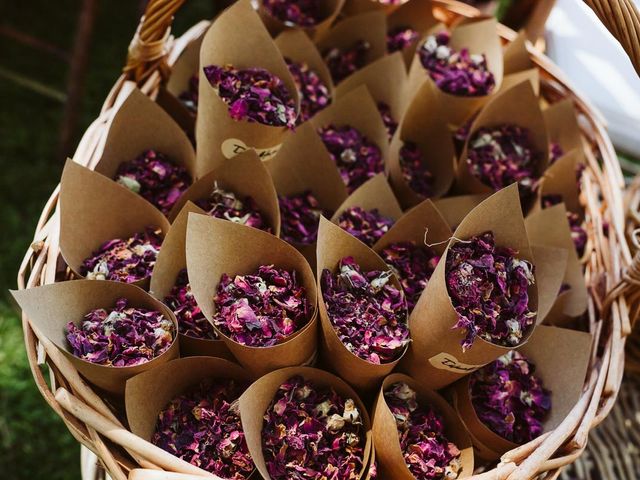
(203, 428)
(387, 118)
(414, 169)
(357, 158)
(314, 94)
(457, 73)
(189, 97)
(413, 265)
(312, 433)
(303, 13)
(367, 312)
(155, 178)
(343, 62)
(400, 38)
(502, 155)
(488, 286)
(300, 216)
(191, 320)
(253, 94)
(368, 226)
(226, 205)
(127, 260)
(509, 398)
(578, 233)
(121, 337)
(262, 309)
(555, 152)
(426, 450)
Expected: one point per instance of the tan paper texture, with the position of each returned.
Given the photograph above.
(551, 265)
(256, 400)
(455, 208)
(561, 179)
(51, 307)
(391, 463)
(563, 126)
(516, 56)
(215, 247)
(415, 14)
(330, 10)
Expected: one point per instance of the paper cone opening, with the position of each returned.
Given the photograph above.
(455, 208)
(416, 15)
(562, 124)
(329, 10)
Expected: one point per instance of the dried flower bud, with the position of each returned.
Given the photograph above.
(387, 118)
(121, 337)
(189, 97)
(343, 62)
(300, 216)
(414, 169)
(226, 205)
(314, 94)
(302, 13)
(400, 38)
(368, 226)
(578, 233)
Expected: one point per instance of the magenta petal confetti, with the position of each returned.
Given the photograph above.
(127, 260)
(357, 158)
(578, 233)
(300, 218)
(254, 95)
(203, 428)
(368, 226)
(121, 337)
(367, 312)
(226, 205)
(458, 73)
(426, 450)
(262, 309)
(414, 169)
(344, 62)
(314, 94)
(312, 433)
(387, 118)
(555, 152)
(189, 97)
(400, 38)
(303, 13)
(488, 286)
(155, 178)
(509, 398)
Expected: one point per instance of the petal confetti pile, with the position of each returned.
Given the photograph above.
(122, 336)
(488, 286)
(127, 260)
(578, 233)
(367, 312)
(300, 217)
(303, 13)
(387, 118)
(344, 62)
(189, 97)
(262, 309)
(203, 427)
(414, 169)
(400, 38)
(314, 94)
(226, 205)
(509, 398)
(312, 433)
(428, 453)
(413, 265)
(191, 320)
(458, 73)
(155, 178)
(254, 95)
(357, 158)
(368, 226)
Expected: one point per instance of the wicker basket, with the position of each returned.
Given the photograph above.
(612, 275)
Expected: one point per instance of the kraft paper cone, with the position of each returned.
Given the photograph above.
(551, 264)
(251, 46)
(532, 76)
(94, 210)
(561, 179)
(246, 176)
(255, 401)
(391, 463)
(333, 245)
(454, 209)
(330, 10)
(303, 164)
(150, 393)
(479, 36)
(550, 227)
(358, 7)
(215, 247)
(562, 125)
(51, 307)
(435, 353)
(516, 55)
(171, 260)
(561, 357)
(417, 15)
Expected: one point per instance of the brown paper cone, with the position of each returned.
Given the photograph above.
(385, 432)
(330, 10)
(563, 127)
(561, 179)
(50, 307)
(94, 209)
(532, 76)
(333, 245)
(561, 358)
(551, 264)
(417, 15)
(215, 247)
(256, 400)
(246, 176)
(516, 56)
(219, 137)
(454, 209)
(357, 7)
(435, 353)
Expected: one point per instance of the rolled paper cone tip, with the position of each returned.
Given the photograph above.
(375, 193)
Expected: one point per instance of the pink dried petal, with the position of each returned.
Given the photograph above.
(302, 13)
(344, 62)
(415, 171)
(314, 94)
(368, 226)
(400, 38)
(300, 217)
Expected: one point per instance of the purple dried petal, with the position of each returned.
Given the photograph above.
(413, 265)
(421, 431)
(357, 158)
(555, 152)
(262, 309)
(368, 226)
(189, 97)
(400, 38)
(226, 205)
(387, 118)
(509, 398)
(203, 427)
(314, 94)
(488, 286)
(367, 312)
(253, 94)
(303, 13)
(344, 62)
(312, 433)
(578, 233)
(122, 336)
(127, 260)
(155, 178)
(458, 73)
(300, 217)
(414, 169)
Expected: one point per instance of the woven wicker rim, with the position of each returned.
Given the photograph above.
(611, 273)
